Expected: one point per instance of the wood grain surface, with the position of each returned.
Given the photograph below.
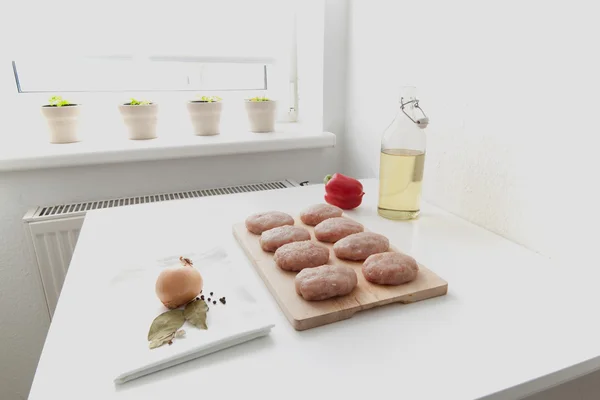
(304, 314)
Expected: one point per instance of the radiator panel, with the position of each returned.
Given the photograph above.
(54, 242)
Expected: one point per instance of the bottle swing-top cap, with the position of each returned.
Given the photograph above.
(420, 122)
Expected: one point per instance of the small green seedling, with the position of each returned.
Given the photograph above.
(58, 101)
(208, 99)
(259, 98)
(134, 102)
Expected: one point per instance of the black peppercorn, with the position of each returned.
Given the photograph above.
(202, 297)
(214, 302)
(209, 299)
(222, 300)
(211, 293)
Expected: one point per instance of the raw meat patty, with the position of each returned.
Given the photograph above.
(318, 213)
(299, 255)
(274, 238)
(359, 246)
(390, 268)
(324, 282)
(333, 229)
(258, 223)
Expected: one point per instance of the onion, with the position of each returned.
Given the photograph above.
(177, 286)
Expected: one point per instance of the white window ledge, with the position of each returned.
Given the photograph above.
(14, 157)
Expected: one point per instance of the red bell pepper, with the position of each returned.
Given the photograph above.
(343, 191)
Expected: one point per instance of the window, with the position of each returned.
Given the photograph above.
(124, 73)
(242, 47)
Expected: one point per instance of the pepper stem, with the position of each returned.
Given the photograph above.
(327, 179)
(186, 262)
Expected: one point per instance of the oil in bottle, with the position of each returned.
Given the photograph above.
(400, 181)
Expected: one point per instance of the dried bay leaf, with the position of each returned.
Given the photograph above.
(161, 340)
(195, 313)
(166, 324)
(166, 339)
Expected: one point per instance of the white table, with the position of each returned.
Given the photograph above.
(513, 323)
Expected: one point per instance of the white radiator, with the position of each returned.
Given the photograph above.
(54, 229)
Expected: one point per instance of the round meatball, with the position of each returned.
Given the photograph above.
(318, 213)
(359, 246)
(274, 238)
(299, 255)
(390, 268)
(333, 229)
(258, 223)
(324, 282)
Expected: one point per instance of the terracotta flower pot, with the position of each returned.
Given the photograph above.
(140, 120)
(206, 117)
(63, 123)
(261, 115)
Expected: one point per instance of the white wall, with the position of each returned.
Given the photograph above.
(511, 88)
(322, 46)
(334, 70)
(23, 315)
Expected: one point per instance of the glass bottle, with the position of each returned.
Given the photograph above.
(402, 160)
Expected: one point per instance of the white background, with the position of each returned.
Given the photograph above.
(509, 87)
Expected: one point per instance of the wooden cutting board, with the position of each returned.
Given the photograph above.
(304, 314)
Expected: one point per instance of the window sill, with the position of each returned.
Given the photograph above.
(89, 152)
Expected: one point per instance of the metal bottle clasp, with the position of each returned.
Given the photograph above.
(420, 122)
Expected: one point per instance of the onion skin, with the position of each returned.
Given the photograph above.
(177, 286)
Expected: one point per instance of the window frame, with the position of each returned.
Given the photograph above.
(303, 83)
(267, 65)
